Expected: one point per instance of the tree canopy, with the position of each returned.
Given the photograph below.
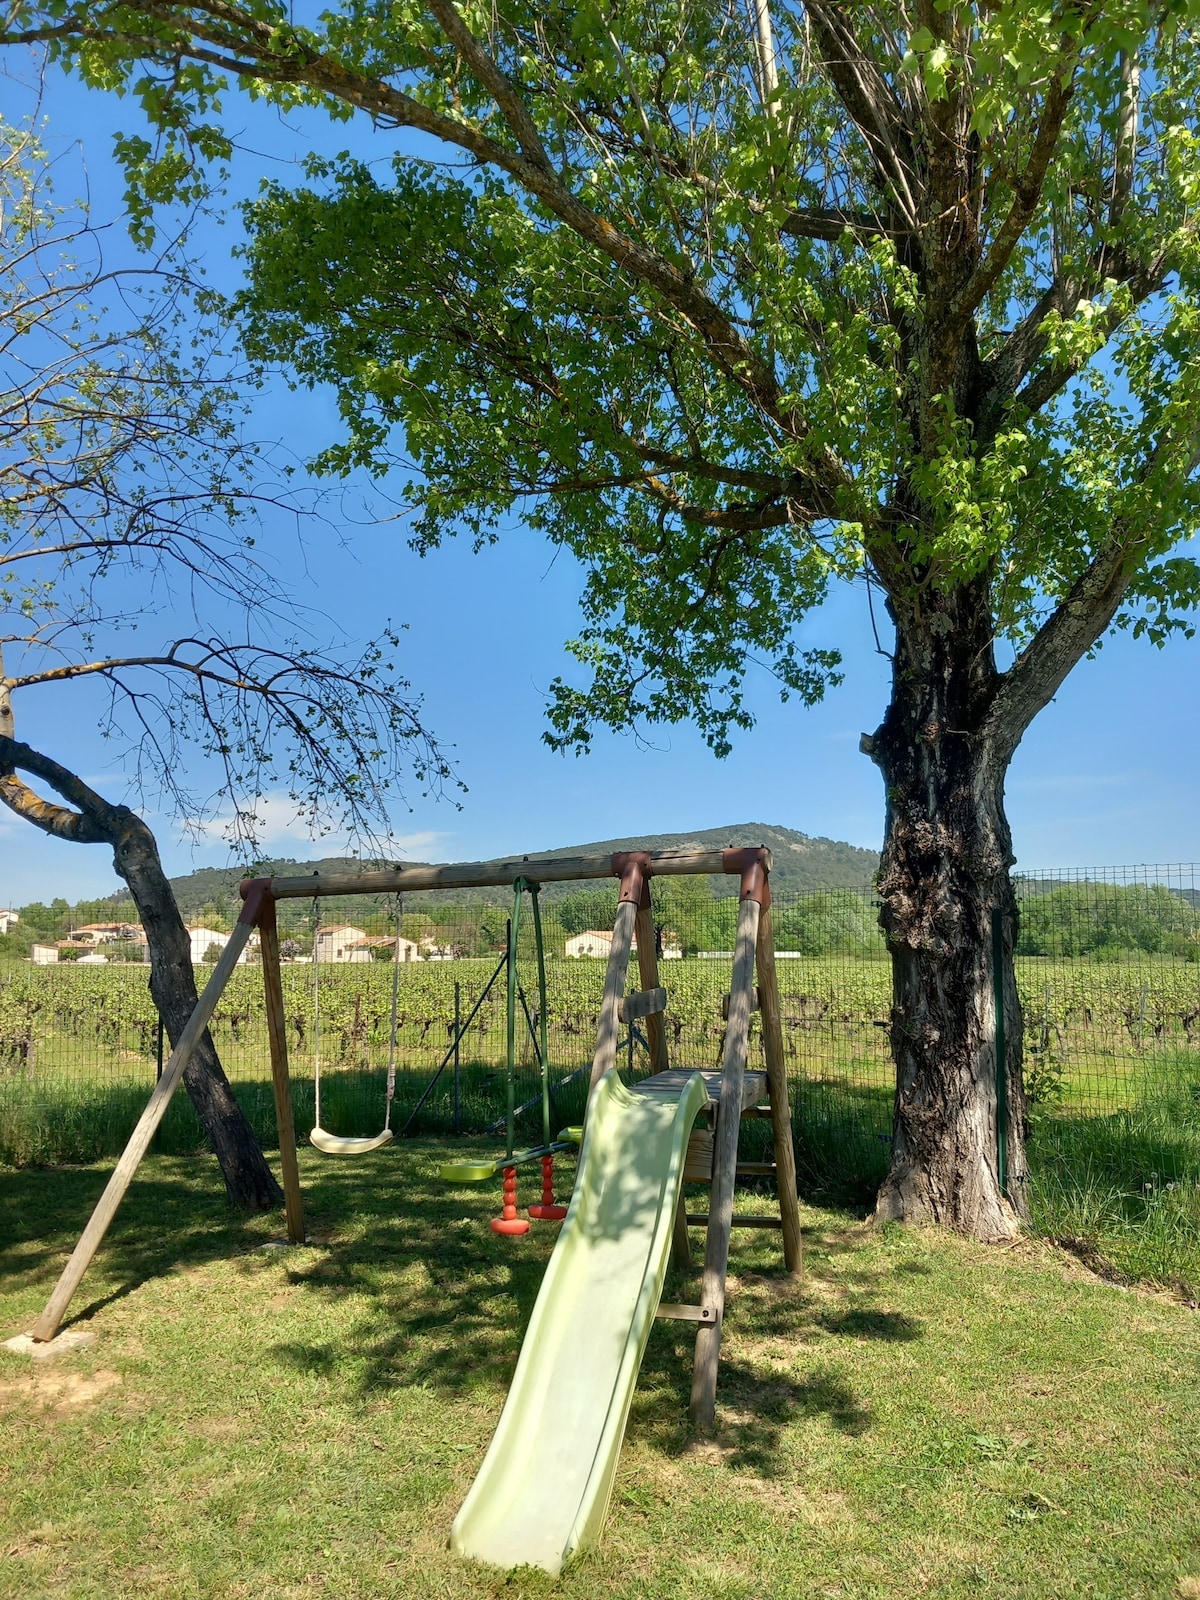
(906, 293)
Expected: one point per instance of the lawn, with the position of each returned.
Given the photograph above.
(921, 1416)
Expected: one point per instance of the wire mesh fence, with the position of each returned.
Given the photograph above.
(1108, 966)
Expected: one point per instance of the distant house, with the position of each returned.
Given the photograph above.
(205, 939)
(409, 950)
(598, 942)
(79, 950)
(43, 955)
(106, 932)
(341, 944)
(8, 919)
(128, 937)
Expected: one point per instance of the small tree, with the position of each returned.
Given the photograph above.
(736, 303)
(121, 469)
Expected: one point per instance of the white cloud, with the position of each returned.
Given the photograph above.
(281, 829)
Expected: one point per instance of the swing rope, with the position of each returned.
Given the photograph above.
(391, 1071)
(316, 1011)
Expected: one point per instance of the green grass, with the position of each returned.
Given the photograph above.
(921, 1416)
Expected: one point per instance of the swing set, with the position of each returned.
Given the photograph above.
(644, 1135)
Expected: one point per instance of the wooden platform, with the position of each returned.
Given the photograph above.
(754, 1085)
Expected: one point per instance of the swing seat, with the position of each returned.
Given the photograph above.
(331, 1144)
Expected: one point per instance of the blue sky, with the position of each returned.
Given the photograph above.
(1108, 774)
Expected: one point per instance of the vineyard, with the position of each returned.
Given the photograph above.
(78, 1047)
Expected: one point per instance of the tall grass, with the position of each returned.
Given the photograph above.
(1124, 1189)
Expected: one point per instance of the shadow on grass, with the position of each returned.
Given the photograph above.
(754, 1407)
(427, 1295)
(175, 1213)
(893, 1326)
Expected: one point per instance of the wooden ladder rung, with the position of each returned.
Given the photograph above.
(756, 1169)
(738, 1222)
(683, 1313)
(644, 1003)
(757, 1111)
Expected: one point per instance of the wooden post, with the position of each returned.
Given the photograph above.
(47, 1324)
(781, 1116)
(457, 1037)
(280, 1080)
(647, 954)
(609, 1030)
(656, 1033)
(720, 1213)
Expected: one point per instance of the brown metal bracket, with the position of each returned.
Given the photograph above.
(633, 868)
(754, 867)
(258, 903)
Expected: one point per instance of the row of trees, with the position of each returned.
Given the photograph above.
(1099, 919)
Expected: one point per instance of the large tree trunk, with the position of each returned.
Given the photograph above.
(249, 1181)
(944, 875)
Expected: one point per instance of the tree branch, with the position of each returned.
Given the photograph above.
(1027, 188)
(83, 826)
(1018, 356)
(1081, 616)
(865, 93)
(258, 58)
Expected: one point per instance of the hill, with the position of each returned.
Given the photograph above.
(802, 864)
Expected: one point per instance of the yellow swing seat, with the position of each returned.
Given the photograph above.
(331, 1144)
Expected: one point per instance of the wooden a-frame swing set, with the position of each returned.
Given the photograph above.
(735, 1092)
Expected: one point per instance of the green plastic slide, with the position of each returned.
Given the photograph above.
(543, 1489)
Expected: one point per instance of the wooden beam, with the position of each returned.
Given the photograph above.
(781, 1115)
(490, 874)
(643, 1003)
(47, 1324)
(656, 1036)
(681, 1245)
(280, 1079)
(685, 1313)
(716, 1255)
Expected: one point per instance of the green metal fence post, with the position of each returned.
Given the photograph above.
(457, 1037)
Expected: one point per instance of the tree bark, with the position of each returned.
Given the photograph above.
(249, 1181)
(944, 873)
